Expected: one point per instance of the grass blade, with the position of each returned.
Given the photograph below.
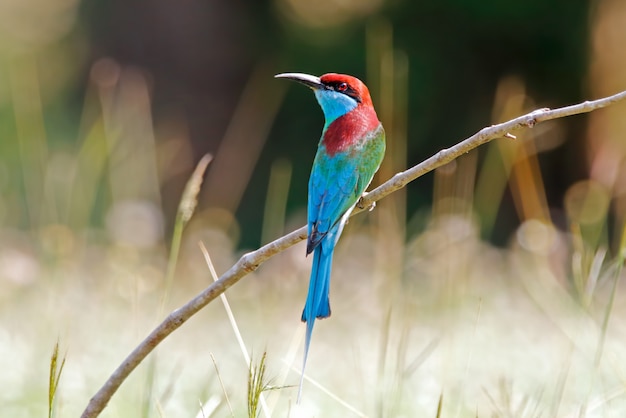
(256, 386)
(55, 376)
(187, 206)
(233, 324)
(439, 406)
(219, 377)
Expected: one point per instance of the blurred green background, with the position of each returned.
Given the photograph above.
(493, 282)
(204, 71)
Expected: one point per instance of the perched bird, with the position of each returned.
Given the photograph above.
(349, 153)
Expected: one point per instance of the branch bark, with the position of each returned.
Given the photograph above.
(251, 261)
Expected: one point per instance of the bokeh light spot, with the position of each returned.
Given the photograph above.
(586, 202)
(326, 13)
(536, 236)
(105, 72)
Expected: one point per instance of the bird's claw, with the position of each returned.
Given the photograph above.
(361, 206)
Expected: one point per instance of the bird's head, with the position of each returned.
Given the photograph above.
(337, 94)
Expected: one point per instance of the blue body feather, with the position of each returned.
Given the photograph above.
(335, 185)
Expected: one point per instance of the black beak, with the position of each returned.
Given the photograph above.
(306, 79)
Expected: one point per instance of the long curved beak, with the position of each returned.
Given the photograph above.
(306, 79)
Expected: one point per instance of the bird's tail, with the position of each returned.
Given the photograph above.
(317, 303)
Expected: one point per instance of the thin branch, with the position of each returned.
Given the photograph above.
(483, 136)
(251, 261)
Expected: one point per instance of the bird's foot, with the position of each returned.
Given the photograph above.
(360, 204)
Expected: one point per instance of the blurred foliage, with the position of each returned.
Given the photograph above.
(198, 58)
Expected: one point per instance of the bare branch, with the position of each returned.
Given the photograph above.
(251, 261)
(481, 137)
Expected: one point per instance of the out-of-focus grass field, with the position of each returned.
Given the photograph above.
(532, 329)
(429, 319)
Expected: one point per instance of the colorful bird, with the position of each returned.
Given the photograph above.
(349, 153)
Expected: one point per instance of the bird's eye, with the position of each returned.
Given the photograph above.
(342, 86)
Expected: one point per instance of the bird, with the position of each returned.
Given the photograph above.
(349, 153)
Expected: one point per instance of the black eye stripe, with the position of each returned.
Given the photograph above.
(347, 90)
(337, 86)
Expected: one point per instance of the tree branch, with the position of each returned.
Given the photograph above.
(251, 261)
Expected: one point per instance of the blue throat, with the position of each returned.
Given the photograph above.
(334, 104)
